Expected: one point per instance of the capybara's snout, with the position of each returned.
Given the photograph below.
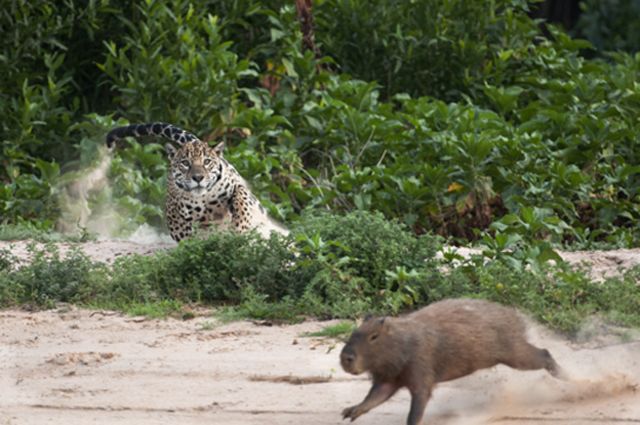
(348, 359)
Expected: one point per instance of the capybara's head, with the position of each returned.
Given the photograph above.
(365, 345)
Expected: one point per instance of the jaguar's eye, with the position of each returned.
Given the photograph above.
(185, 163)
(207, 161)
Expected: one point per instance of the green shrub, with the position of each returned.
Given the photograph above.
(48, 54)
(365, 265)
(172, 65)
(340, 330)
(610, 25)
(332, 262)
(382, 256)
(534, 125)
(50, 278)
(425, 47)
(218, 268)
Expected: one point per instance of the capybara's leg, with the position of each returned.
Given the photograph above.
(552, 367)
(378, 394)
(527, 357)
(419, 399)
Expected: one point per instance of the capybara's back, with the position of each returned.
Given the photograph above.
(468, 312)
(477, 334)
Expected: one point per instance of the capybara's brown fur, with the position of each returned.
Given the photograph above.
(446, 340)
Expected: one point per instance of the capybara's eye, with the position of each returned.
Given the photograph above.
(373, 337)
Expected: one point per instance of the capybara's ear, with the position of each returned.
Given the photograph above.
(383, 324)
(368, 317)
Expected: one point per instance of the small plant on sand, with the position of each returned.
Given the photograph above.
(340, 330)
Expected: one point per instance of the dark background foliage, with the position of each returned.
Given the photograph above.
(468, 119)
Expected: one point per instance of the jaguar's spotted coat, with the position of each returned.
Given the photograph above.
(202, 187)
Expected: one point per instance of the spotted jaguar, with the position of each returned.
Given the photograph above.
(203, 188)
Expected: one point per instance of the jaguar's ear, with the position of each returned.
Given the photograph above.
(219, 149)
(171, 150)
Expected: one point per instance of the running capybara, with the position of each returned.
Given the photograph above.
(443, 341)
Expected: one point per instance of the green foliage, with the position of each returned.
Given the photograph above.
(212, 270)
(307, 275)
(610, 25)
(332, 266)
(48, 80)
(7, 260)
(172, 65)
(438, 48)
(377, 244)
(257, 306)
(47, 54)
(340, 330)
(560, 297)
(29, 197)
(27, 230)
(50, 278)
(514, 122)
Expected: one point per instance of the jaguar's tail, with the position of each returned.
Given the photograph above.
(160, 129)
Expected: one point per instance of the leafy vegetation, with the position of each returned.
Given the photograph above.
(339, 330)
(611, 25)
(315, 272)
(454, 120)
(458, 119)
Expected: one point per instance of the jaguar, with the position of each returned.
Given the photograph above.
(203, 188)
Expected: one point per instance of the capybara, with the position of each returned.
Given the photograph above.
(443, 341)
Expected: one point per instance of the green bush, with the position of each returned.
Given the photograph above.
(216, 269)
(50, 278)
(49, 79)
(610, 25)
(343, 274)
(331, 266)
(438, 48)
(7, 260)
(172, 65)
(332, 262)
(367, 246)
(515, 122)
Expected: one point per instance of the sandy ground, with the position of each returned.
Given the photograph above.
(102, 250)
(71, 366)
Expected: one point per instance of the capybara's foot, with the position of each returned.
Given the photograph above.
(554, 368)
(352, 412)
(558, 372)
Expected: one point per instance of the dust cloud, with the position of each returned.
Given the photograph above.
(597, 381)
(601, 384)
(82, 212)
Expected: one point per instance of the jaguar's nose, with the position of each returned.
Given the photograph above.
(197, 178)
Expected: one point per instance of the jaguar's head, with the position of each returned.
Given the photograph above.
(195, 166)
